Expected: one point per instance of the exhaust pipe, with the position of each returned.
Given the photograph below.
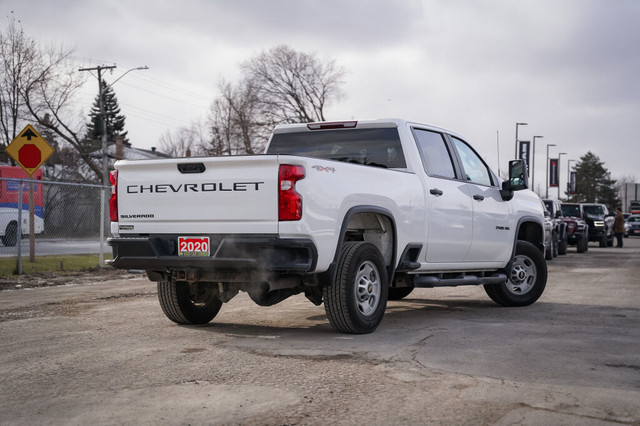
(261, 295)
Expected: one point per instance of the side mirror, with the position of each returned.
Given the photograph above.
(518, 176)
(518, 179)
(547, 214)
(558, 213)
(506, 192)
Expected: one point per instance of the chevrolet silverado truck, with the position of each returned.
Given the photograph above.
(351, 214)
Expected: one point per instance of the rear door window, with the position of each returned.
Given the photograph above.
(435, 154)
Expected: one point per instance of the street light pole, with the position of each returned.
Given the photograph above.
(547, 171)
(105, 164)
(533, 161)
(559, 156)
(518, 124)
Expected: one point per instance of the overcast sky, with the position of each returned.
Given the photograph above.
(568, 68)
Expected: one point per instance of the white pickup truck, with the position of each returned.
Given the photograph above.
(350, 213)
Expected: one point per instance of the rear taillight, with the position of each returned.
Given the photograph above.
(113, 201)
(289, 201)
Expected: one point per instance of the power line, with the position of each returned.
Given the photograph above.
(174, 87)
(165, 96)
(147, 114)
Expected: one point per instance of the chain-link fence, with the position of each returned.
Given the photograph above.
(59, 222)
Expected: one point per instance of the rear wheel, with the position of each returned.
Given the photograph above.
(10, 237)
(357, 299)
(188, 303)
(527, 279)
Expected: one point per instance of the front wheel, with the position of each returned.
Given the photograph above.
(603, 240)
(583, 244)
(188, 303)
(548, 252)
(355, 302)
(527, 279)
(610, 240)
(562, 246)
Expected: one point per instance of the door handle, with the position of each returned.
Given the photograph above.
(478, 197)
(436, 191)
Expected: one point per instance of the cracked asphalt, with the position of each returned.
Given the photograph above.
(100, 351)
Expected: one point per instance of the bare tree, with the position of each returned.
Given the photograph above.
(293, 86)
(279, 86)
(18, 65)
(185, 141)
(236, 123)
(39, 85)
(49, 98)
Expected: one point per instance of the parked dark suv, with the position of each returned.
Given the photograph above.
(598, 219)
(600, 215)
(577, 228)
(559, 226)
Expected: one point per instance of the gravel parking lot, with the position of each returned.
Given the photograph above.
(100, 351)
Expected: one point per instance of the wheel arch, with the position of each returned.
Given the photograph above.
(372, 224)
(530, 229)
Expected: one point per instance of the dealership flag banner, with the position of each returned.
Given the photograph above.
(573, 182)
(524, 152)
(553, 172)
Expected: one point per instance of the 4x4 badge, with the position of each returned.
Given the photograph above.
(324, 169)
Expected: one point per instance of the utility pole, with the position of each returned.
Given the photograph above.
(105, 163)
(105, 168)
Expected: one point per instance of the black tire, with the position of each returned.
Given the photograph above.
(548, 252)
(398, 293)
(186, 303)
(527, 279)
(357, 299)
(562, 247)
(610, 241)
(10, 237)
(583, 245)
(556, 243)
(603, 240)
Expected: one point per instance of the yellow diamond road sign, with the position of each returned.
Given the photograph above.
(29, 150)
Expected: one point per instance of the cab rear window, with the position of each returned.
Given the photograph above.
(370, 147)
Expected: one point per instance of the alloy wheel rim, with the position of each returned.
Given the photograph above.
(367, 288)
(523, 275)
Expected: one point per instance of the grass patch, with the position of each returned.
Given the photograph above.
(59, 263)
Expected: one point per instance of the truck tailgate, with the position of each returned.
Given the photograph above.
(223, 195)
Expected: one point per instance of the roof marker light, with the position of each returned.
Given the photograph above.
(332, 125)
